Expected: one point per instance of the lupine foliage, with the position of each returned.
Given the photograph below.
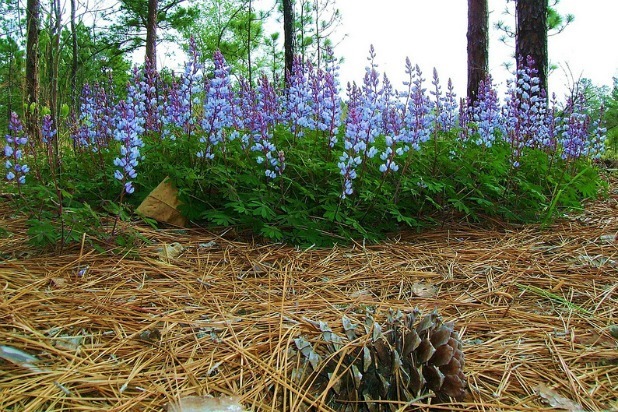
(299, 164)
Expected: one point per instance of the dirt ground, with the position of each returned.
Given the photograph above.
(535, 308)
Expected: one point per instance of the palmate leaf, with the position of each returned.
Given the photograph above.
(218, 218)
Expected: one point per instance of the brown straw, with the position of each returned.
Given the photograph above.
(137, 330)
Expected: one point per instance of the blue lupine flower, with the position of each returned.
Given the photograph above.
(15, 141)
(48, 131)
(218, 111)
(299, 105)
(418, 118)
(486, 113)
(129, 127)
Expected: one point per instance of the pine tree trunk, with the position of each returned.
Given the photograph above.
(151, 33)
(33, 9)
(531, 35)
(288, 34)
(478, 44)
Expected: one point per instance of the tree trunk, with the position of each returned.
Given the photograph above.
(33, 9)
(288, 36)
(249, 23)
(478, 44)
(151, 33)
(74, 66)
(531, 35)
(55, 60)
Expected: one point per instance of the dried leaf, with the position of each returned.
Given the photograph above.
(206, 404)
(58, 282)
(68, 343)
(424, 290)
(171, 251)
(555, 400)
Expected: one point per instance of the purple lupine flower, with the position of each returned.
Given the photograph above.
(244, 106)
(268, 101)
(525, 110)
(15, 141)
(392, 120)
(596, 143)
(418, 116)
(95, 122)
(574, 129)
(218, 111)
(299, 98)
(183, 97)
(447, 118)
(48, 131)
(329, 115)
(486, 113)
(128, 128)
(148, 87)
(363, 124)
(552, 125)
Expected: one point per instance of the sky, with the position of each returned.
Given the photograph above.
(433, 34)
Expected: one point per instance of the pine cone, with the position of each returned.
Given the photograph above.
(400, 362)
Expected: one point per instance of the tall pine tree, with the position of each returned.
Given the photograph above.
(478, 44)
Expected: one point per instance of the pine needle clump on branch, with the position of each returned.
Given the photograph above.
(410, 358)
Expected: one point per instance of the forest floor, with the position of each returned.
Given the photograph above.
(535, 308)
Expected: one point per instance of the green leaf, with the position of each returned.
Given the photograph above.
(218, 218)
(271, 232)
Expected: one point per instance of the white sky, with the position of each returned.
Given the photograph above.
(433, 34)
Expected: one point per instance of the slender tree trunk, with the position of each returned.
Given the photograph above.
(249, 23)
(151, 33)
(55, 60)
(531, 35)
(478, 45)
(74, 65)
(33, 10)
(288, 36)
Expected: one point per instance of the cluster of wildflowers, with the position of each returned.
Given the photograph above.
(328, 117)
(93, 128)
(128, 130)
(183, 95)
(486, 114)
(446, 106)
(525, 120)
(300, 99)
(392, 125)
(264, 116)
(218, 107)
(363, 124)
(418, 117)
(381, 122)
(16, 141)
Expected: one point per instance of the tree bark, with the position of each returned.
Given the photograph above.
(288, 36)
(531, 35)
(478, 45)
(151, 33)
(74, 65)
(33, 10)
